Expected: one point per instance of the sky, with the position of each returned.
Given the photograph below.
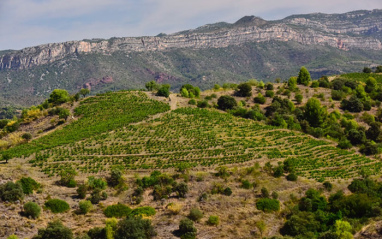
(25, 23)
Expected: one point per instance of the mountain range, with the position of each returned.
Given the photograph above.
(250, 48)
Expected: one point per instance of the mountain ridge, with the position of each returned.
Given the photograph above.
(211, 54)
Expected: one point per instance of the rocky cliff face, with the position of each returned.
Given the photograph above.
(355, 30)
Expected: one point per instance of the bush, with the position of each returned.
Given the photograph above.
(268, 205)
(213, 220)
(82, 190)
(226, 102)
(298, 98)
(85, 206)
(164, 91)
(32, 209)
(134, 228)
(94, 183)
(259, 99)
(27, 136)
(246, 184)
(117, 210)
(195, 214)
(292, 177)
(115, 177)
(181, 190)
(244, 90)
(328, 186)
(192, 102)
(187, 229)
(96, 196)
(344, 144)
(59, 96)
(227, 191)
(264, 192)
(11, 192)
(269, 93)
(57, 205)
(54, 229)
(67, 178)
(203, 104)
(28, 185)
(144, 211)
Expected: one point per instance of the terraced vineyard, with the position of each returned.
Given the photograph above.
(99, 114)
(200, 137)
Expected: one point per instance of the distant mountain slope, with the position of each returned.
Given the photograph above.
(214, 53)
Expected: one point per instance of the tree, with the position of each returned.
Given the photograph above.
(6, 156)
(54, 229)
(11, 192)
(356, 136)
(115, 177)
(151, 85)
(314, 113)
(292, 83)
(181, 189)
(84, 92)
(303, 77)
(378, 69)
(226, 102)
(134, 227)
(260, 99)
(343, 229)
(374, 131)
(366, 70)
(64, 113)
(353, 104)
(244, 90)
(298, 98)
(59, 96)
(164, 90)
(261, 226)
(187, 229)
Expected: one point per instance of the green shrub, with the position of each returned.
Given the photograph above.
(144, 211)
(192, 102)
(213, 220)
(195, 214)
(54, 229)
(82, 190)
(94, 183)
(187, 229)
(11, 192)
(32, 209)
(246, 184)
(67, 178)
(13, 237)
(227, 191)
(134, 228)
(268, 205)
(203, 104)
(292, 177)
(28, 185)
(328, 186)
(57, 205)
(115, 177)
(85, 206)
(117, 210)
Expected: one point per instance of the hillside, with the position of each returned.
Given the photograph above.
(215, 53)
(252, 168)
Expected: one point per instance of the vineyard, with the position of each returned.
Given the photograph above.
(104, 138)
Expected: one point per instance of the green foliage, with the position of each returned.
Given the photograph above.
(115, 177)
(203, 104)
(181, 190)
(151, 86)
(187, 229)
(67, 177)
(57, 205)
(292, 83)
(27, 136)
(143, 211)
(164, 90)
(85, 206)
(244, 90)
(353, 104)
(84, 92)
(64, 113)
(246, 184)
(59, 96)
(298, 98)
(117, 210)
(226, 102)
(268, 205)
(314, 113)
(213, 220)
(55, 229)
(82, 190)
(269, 93)
(134, 228)
(303, 76)
(328, 186)
(264, 192)
(32, 209)
(11, 192)
(292, 177)
(192, 102)
(260, 99)
(28, 185)
(188, 90)
(366, 70)
(344, 144)
(13, 237)
(94, 183)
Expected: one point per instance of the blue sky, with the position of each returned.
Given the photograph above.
(33, 22)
